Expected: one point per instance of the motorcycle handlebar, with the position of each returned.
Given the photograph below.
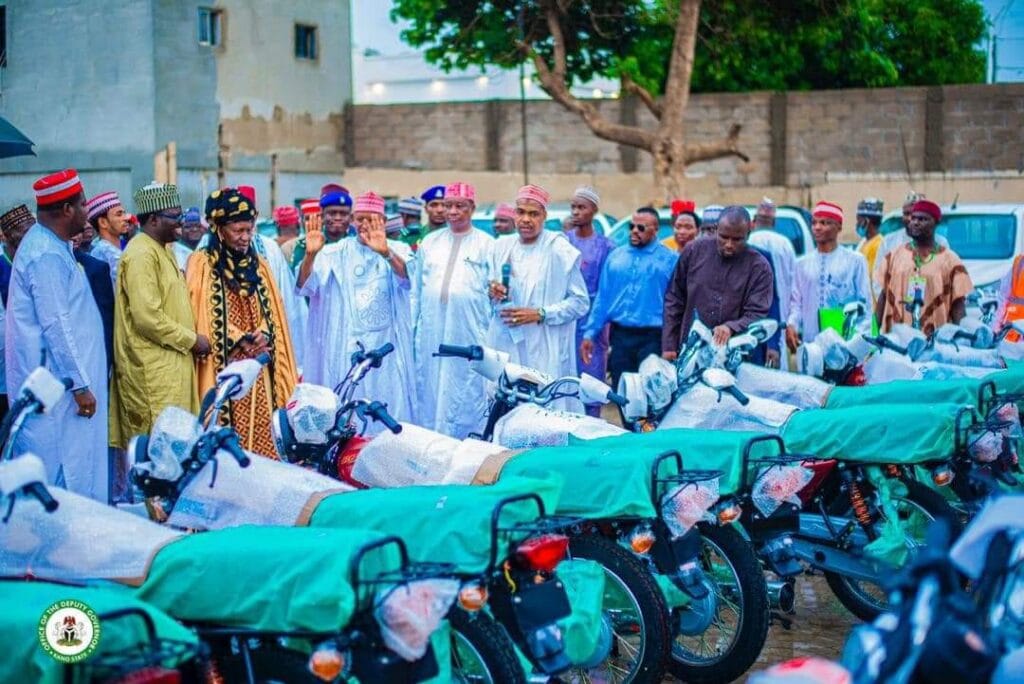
(617, 399)
(232, 446)
(39, 491)
(739, 395)
(379, 412)
(375, 356)
(473, 353)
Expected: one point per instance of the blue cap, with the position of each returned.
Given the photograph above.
(192, 215)
(434, 193)
(335, 199)
(712, 213)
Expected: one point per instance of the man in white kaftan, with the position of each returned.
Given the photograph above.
(535, 318)
(358, 291)
(827, 278)
(451, 306)
(52, 318)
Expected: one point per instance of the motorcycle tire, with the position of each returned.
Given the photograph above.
(751, 609)
(484, 641)
(626, 573)
(271, 664)
(849, 592)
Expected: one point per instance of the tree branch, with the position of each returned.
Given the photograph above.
(727, 147)
(680, 69)
(634, 88)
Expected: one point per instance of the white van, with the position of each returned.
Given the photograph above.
(985, 236)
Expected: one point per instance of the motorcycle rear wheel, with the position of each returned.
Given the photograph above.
(742, 617)
(639, 616)
(866, 600)
(482, 651)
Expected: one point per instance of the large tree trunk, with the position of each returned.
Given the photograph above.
(669, 170)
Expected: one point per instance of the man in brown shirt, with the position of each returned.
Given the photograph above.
(718, 279)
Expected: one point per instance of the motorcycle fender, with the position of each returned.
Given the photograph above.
(532, 606)
(670, 554)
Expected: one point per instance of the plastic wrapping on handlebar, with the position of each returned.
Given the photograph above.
(39, 491)
(472, 353)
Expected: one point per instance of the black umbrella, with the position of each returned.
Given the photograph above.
(13, 142)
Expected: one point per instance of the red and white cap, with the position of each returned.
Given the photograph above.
(505, 210)
(309, 206)
(57, 187)
(460, 190)
(828, 210)
(370, 202)
(101, 204)
(534, 193)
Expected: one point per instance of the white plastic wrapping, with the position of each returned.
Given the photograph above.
(311, 413)
(83, 539)
(659, 381)
(798, 390)
(700, 408)
(776, 484)
(267, 492)
(419, 456)
(971, 548)
(1009, 415)
(986, 447)
(963, 355)
(687, 504)
(174, 435)
(529, 425)
(410, 613)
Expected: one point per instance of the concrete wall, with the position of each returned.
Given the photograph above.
(792, 139)
(270, 100)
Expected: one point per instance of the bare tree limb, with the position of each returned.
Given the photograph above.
(634, 88)
(727, 147)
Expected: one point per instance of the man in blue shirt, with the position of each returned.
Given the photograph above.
(630, 296)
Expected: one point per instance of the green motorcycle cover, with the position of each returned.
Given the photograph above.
(584, 583)
(24, 603)
(700, 449)
(441, 523)
(273, 579)
(955, 391)
(891, 433)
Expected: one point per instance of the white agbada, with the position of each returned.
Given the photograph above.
(783, 263)
(545, 274)
(355, 296)
(52, 316)
(451, 305)
(825, 281)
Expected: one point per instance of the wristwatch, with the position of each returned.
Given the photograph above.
(543, 314)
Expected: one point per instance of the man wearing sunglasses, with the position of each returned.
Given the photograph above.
(155, 340)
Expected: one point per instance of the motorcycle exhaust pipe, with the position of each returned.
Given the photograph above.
(782, 597)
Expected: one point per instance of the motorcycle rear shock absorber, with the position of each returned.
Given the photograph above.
(861, 510)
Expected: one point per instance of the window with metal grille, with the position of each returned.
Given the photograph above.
(305, 42)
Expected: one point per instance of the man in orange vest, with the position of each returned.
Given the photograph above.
(1011, 297)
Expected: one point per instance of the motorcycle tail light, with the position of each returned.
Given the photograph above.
(327, 663)
(728, 512)
(942, 475)
(542, 553)
(641, 539)
(151, 675)
(473, 597)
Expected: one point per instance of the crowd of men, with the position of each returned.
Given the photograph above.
(141, 312)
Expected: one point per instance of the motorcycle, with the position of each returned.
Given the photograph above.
(499, 538)
(353, 596)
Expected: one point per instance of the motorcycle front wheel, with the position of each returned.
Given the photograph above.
(482, 651)
(920, 507)
(636, 610)
(733, 641)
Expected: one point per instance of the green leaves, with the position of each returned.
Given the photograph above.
(741, 44)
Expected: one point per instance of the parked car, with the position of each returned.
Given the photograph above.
(985, 236)
(483, 218)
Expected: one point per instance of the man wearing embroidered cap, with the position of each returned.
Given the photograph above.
(13, 224)
(450, 279)
(236, 304)
(155, 340)
(358, 293)
(826, 280)
(594, 250)
(869, 222)
(535, 321)
(51, 315)
(437, 217)
(922, 283)
(332, 222)
(109, 219)
(409, 212)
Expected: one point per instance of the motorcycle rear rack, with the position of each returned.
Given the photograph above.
(989, 397)
(780, 459)
(543, 524)
(154, 652)
(682, 477)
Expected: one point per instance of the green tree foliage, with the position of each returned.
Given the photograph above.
(741, 44)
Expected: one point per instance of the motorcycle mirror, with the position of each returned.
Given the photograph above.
(20, 472)
(745, 341)
(854, 309)
(242, 374)
(718, 379)
(631, 386)
(916, 347)
(763, 329)
(44, 387)
(492, 365)
(702, 331)
(947, 333)
(592, 390)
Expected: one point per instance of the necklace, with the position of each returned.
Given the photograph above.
(918, 262)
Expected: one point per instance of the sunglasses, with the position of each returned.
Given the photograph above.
(177, 218)
(639, 227)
